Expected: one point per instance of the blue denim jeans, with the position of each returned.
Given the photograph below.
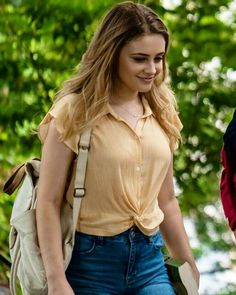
(128, 263)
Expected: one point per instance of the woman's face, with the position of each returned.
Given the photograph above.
(140, 61)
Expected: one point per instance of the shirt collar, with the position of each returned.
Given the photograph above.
(147, 110)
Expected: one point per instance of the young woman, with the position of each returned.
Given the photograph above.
(121, 92)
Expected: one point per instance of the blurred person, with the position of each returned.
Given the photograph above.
(120, 91)
(228, 176)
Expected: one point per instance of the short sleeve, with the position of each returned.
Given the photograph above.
(58, 112)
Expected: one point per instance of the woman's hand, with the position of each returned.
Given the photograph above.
(60, 288)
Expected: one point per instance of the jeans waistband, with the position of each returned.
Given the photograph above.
(132, 233)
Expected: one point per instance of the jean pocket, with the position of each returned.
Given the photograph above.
(157, 241)
(84, 244)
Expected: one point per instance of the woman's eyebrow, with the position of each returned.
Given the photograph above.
(144, 54)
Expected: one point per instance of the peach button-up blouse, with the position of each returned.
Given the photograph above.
(125, 171)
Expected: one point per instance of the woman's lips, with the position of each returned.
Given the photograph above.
(146, 80)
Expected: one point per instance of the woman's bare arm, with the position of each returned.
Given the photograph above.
(172, 228)
(55, 168)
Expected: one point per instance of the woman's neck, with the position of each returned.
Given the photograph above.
(125, 98)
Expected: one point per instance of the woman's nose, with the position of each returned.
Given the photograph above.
(150, 68)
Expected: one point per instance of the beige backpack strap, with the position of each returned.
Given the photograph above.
(79, 186)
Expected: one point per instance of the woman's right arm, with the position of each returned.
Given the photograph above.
(55, 167)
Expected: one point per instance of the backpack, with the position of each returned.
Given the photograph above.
(27, 264)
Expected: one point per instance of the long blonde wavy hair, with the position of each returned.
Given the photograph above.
(94, 81)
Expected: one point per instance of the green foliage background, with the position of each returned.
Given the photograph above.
(41, 42)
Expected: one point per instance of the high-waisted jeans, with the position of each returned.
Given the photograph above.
(128, 263)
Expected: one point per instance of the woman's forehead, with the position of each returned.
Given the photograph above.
(151, 43)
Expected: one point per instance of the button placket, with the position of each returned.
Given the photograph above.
(137, 170)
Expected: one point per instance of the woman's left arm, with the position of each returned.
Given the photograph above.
(172, 227)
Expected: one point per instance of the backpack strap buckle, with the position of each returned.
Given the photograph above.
(79, 192)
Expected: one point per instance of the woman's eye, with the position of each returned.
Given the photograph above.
(139, 59)
(143, 59)
(157, 59)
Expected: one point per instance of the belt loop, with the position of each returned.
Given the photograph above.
(149, 239)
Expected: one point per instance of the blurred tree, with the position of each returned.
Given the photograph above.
(41, 43)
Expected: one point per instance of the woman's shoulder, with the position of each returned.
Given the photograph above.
(56, 116)
(65, 101)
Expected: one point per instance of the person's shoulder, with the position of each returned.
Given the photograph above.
(69, 98)
(62, 106)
